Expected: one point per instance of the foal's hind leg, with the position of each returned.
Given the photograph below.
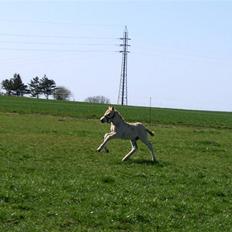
(150, 147)
(134, 147)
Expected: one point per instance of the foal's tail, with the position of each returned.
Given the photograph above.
(150, 132)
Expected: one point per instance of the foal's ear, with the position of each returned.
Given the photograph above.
(111, 108)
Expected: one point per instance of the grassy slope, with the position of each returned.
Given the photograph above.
(91, 111)
(53, 180)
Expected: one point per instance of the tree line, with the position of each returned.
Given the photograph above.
(36, 87)
(42, 86)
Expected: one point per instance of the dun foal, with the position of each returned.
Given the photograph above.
(121, 129)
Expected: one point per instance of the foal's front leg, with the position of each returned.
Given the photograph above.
(105, 148)
(107, 137)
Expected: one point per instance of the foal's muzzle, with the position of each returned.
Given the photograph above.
(103, 119)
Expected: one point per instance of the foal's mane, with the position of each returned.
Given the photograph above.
(119, 115)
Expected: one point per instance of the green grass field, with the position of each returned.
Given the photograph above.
(52, 178)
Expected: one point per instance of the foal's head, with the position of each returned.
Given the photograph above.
(108, 115)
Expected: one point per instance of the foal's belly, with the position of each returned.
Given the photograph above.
(129, 132)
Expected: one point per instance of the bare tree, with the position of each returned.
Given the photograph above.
(98, 99)
(61, 93)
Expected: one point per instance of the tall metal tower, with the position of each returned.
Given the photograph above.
(122, 94)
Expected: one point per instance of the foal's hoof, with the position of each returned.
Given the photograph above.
(155, 161)
(124, 159)
(98, 150)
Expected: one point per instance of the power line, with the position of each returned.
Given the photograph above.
(182, 56)
(54, 36)
(55, 43)
(54, 50)
(31, 21)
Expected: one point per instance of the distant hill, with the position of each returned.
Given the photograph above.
(23, 105)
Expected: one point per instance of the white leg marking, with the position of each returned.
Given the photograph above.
(109, 136)
(134, 147)
(105, 148)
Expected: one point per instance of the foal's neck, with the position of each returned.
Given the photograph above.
(118, 120)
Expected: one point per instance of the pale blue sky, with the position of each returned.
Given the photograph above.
(181, 51)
